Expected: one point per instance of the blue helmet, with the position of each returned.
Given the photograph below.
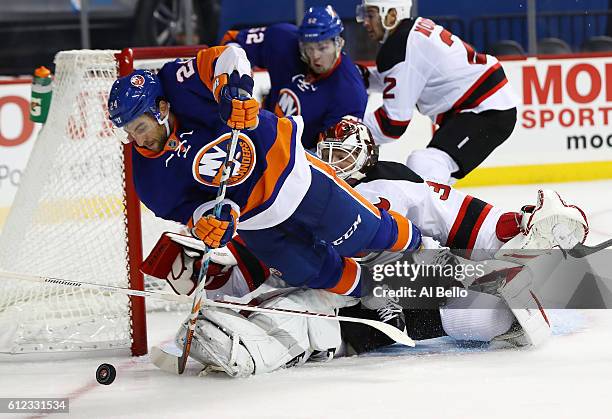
(320, 23)
(134, 95)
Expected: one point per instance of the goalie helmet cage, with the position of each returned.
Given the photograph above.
(77, 216)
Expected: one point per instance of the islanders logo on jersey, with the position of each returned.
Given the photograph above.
(303, 83)
(209, 159)
(288, 104)
(137, 80)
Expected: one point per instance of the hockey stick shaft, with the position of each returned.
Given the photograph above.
(200, 290)
(391, 331)
(581, 250)
(96, 287)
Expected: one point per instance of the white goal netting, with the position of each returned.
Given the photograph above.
(68, 221)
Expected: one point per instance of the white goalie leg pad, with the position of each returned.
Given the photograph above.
(265, 342)
(229, 341)
(215, 344)
(548, 280)
(302, 336)
(520, 295)
(477, 317)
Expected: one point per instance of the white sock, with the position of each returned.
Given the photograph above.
(432, 164)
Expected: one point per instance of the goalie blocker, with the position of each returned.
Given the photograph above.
(177, 259)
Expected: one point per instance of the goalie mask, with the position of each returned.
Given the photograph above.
(320, 42)
(348, 147)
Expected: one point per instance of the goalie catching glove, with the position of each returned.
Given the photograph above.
(237, 108)
(178, 259)
(216, 231)
(551, 223)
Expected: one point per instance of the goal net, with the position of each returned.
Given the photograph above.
(76, 216)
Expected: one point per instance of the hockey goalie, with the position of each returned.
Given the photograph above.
(508, 311)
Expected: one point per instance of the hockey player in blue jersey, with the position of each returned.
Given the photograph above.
(291, 209)
(309, 74)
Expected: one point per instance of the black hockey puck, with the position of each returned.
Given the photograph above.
(105, 374)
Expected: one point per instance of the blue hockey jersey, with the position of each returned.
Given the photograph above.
(322, 100)
(271, 174)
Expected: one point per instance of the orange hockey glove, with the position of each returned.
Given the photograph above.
(236, 106)
(216, 232)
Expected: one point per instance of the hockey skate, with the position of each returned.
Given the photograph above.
(361, 339)
(516, 337)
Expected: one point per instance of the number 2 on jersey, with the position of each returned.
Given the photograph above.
(390, 83)
(185, 71)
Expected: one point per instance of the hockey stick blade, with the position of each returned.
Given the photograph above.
(391, 331)
(165, 361)
(580, 250)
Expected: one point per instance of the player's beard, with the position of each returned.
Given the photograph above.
(156, 146)
(158, 143)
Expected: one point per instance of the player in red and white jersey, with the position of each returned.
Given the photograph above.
(469, 226)
(421, 64)
(453, 218)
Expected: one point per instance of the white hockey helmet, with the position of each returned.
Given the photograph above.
(348, 147)
(402, 9)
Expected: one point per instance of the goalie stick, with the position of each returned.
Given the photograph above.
(391, 331)
(580, 250)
